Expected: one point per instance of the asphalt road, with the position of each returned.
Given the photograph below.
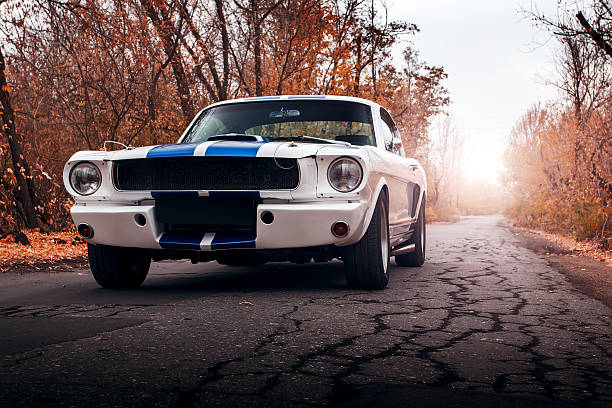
(485, 322)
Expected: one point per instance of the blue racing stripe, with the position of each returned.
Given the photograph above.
(228, 240)
(233, 149)
(173, 150)
(234, 194)
(160, 194)
(181, 240)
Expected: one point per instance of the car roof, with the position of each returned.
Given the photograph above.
(297, 97)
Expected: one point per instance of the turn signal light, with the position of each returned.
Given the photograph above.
(85, 231)
(340, 229)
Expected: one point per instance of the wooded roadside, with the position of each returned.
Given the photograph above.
(75, 74)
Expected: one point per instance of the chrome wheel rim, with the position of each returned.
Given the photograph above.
(422, 237)
(384, 241)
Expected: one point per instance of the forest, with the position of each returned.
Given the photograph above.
(76, 73)
(559, 155)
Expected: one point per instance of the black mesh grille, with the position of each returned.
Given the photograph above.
(206, 173)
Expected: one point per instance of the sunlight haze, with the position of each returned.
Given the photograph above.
(496, 61)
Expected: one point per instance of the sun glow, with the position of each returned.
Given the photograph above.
(484, 162)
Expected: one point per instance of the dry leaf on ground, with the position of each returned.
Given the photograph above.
(44, 249)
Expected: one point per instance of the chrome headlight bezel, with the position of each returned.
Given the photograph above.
(94, 184)
(358, 175)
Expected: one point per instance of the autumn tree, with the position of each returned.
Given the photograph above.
(418, 97)
(445, 151)
(24, 189)
(560, 158)
(137, 71)
(295, 44)
(591, 21)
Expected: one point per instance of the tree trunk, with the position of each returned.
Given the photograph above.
(166, 30)
(225, 47)
(257, 47)
(24, 191)
(357, 77)
(373, 50)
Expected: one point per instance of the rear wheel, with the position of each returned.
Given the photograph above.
(366, 262)
(117, 267)
(419, 239)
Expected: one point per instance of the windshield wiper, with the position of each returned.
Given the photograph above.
(310, 139)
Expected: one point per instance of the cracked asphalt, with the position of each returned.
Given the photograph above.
(485, 322)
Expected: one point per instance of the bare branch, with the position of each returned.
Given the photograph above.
(597, 37)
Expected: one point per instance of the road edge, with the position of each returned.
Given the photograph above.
(590, 276)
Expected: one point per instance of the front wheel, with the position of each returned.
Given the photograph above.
(366, 262)
(116, 267)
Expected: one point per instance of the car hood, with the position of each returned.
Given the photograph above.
(222, 148)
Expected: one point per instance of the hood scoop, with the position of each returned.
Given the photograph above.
(238, 137)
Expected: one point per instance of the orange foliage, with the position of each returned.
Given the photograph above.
(44, 248)
(559, 171)
(133, 72)
(560, 158)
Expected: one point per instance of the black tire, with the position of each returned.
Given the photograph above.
(116, 267)
(366, 262)
(419, 239)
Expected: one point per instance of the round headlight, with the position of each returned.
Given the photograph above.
(85, 178)
(344, 174)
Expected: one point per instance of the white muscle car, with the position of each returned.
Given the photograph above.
(255, 180)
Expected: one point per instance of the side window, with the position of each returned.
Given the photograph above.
(390, 134)
(387, 135)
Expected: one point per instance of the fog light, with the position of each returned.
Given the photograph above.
(267, 217)
(140, 220)
(85, 231)
(340, 229)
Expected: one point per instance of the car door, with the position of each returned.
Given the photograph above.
(402, 179)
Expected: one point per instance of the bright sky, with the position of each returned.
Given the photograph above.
(495, 67)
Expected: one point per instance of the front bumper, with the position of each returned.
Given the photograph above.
(295, 225)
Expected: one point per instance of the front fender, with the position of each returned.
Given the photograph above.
(375, 192)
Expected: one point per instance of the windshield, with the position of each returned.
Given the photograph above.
(281, 119)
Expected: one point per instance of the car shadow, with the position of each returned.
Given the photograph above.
(212, 277)
(170, 282)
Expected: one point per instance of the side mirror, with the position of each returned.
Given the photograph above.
(394, 144)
